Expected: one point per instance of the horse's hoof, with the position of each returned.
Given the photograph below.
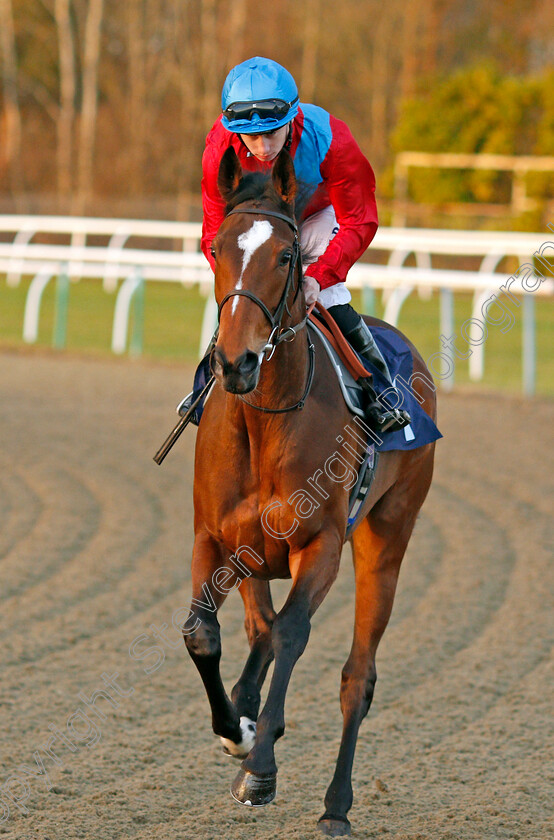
(249, 789)
(334, 828)
(241, 750)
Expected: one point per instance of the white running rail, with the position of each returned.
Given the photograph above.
(176, 257)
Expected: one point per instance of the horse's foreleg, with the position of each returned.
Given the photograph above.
(379, 544)
(313, 571)
(259, 618)
(203, 639)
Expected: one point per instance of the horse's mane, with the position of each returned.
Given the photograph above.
(258, 186)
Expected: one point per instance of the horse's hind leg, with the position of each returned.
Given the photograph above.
(379, 544)
(259, 617)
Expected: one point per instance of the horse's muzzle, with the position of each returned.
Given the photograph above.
(240, 376)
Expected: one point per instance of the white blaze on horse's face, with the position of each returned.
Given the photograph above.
(249, 242)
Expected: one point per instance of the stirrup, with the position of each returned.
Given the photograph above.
(187, 401)
(387, 421)
(380, 418)
(184, 405)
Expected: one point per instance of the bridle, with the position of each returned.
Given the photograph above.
(278, 333)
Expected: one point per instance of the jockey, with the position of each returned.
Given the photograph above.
(261, 116)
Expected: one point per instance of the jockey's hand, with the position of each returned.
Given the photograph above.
(312, 290)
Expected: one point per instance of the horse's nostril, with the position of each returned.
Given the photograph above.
(247, 363)
(220, 362)
(239, 376)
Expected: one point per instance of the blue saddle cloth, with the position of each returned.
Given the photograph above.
(203, 373)
(398, 357)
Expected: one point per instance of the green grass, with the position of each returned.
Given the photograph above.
(172, 318)
(173, 315)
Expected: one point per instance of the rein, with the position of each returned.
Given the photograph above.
(278, 333)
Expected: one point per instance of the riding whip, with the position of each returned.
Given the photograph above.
(181, 425)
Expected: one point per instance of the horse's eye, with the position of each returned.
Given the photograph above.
(285, 258)
(212, 252)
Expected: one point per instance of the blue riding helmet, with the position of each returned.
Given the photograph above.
(259, 95)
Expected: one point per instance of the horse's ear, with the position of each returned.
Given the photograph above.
(230, 173)
(284, 178)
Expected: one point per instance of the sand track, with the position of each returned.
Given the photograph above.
(95, 546)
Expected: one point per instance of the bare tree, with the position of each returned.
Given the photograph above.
(380, 80)
(137, 92)
(209, 58)
(66, 115)
(165, 61)
(432, 37)
(11, 116)
(186, 61)
(410, 47)
(308, 77)
(234, 29)
(87, 125)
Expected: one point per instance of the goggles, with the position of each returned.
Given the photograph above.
(265, 109)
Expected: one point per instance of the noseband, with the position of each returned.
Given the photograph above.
(278, 333)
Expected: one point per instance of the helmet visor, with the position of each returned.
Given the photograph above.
(265, 109)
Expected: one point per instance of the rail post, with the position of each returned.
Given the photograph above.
(447, 330)
(32, 305)
(528, 346)
(59, 335)
(137, 330)
(121, 313)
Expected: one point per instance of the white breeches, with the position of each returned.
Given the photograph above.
(317, 232)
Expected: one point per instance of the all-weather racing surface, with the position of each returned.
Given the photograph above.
(104, 732)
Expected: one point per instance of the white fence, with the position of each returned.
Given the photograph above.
(517, 165)
(179, 260)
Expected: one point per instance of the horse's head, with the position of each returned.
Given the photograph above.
(258, 269)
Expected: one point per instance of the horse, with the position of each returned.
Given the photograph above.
(262, 509)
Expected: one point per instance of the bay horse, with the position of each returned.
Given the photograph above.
(270, 423)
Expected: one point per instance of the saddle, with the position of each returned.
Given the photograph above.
(349, 369)
(345, 363)
(329, 328)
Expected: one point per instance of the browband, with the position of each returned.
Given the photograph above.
(260, 212)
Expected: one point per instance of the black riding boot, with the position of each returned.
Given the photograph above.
(357, 333)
